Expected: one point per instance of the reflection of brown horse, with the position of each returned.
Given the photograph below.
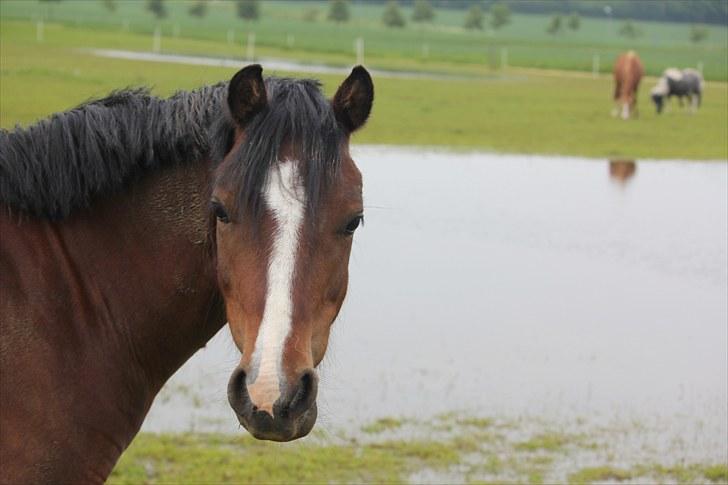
(622, 170)
(132, 228)
(628, 72)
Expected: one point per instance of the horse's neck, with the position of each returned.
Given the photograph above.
(120, 294)
(172, 274)
(153, 264)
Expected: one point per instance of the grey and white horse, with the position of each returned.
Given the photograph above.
(675, 82)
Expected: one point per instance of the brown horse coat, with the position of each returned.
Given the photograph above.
(628, 72)
(78, 369)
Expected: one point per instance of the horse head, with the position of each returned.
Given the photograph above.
(285, 201)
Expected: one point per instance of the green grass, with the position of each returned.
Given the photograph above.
(463, 455)
(547, 441)
(599, 474)
(516, 112)
(716, 473)
(211, 458)
(481, 423)
(694, 473)
(281, 28)
(383, 424)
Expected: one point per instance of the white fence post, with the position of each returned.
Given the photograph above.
(359, 46)
(595, 66)
(39, 31)
(504, 58)
(250, 47)
(157, 41)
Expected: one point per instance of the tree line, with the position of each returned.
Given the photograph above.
(491, 13)
(688, 11)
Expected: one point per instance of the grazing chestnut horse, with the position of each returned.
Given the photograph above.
(628, 72)
(132, 228)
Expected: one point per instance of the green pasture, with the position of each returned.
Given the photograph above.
(516, 110)
(282, 28)
(445, 449)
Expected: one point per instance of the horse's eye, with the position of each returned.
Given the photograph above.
(353, 224)
(220, 212)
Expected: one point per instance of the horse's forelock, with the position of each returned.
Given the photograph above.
(298, 123)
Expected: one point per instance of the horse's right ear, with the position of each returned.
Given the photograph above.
(246, 94)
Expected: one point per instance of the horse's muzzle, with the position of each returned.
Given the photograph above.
(294, 413)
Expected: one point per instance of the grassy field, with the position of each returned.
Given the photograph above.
(446, 449)
(281, 28)
(516, 111)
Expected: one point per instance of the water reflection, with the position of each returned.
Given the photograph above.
(518, 284)
(621, 171)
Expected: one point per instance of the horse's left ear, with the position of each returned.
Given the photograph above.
(353, 100)
(246, 94)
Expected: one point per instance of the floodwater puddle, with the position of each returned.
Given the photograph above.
(514, 287)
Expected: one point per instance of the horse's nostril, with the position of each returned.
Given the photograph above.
(305, 393)
(237, 393)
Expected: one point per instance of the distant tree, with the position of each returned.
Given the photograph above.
(554, 26)
(422, 11)
(109, 4)
(158, 8)
(339, 11)
(198, 9)
(248, 9)
(574, 21)
(474, 18)
(698, 33)
(628, 29)
(311, 15)
(500, 15)
(392, 17)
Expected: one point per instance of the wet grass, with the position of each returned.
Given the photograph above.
(716, 473)
(481, 423)
(210, 458)
(551, 442)
(657, 473)
(515, 112)
(469, 452)
(383, 424)
(599, 474)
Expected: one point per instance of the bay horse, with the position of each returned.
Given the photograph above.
(132, 228)
(628, 72)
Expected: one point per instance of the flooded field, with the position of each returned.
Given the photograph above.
(575, 293)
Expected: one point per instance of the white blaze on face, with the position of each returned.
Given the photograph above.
(285, 199)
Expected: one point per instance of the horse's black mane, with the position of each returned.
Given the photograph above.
(62, 163)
